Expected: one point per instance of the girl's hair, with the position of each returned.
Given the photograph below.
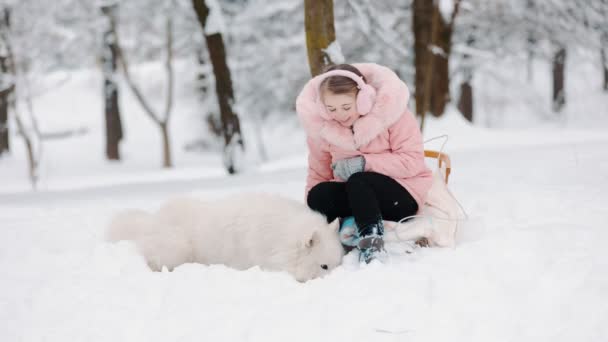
(341, 84)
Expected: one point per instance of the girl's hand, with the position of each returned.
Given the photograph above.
(345, 168)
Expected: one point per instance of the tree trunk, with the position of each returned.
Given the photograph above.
(604, 53)
(33, 161)
(605, 67)
(320, 33)
(530, 43)
(166, 145)
(422, 27)
(432, 44)
(465, 102)
(441, 75)
(114, 132)
(5, 95)
(8, 101)
(231, 127)
(203, 85)
(559, 95)
(6, 82)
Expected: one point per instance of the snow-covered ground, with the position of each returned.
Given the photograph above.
(531, 263)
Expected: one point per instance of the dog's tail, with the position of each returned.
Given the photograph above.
(129, 225)
(161, 243)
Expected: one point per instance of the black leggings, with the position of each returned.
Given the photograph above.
(368, 196)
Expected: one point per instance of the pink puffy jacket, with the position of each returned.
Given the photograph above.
(387, 137)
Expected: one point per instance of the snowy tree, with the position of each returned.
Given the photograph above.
(31, 137)
(109, 59)
(559, 74)
(598, 17)
(266, 41)
(564, 26)
(320, 34)
(604, 57)
(210, 17)
(6, 79)
(483, 34)
(489, 32)
(44, 39)
(160, 118)
(268, 56)
(433, 26)
(465, 99)
(265, 45)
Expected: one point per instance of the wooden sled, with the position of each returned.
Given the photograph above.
(442, 159)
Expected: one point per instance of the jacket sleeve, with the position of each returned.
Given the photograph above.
(406, 158)
(319, 165)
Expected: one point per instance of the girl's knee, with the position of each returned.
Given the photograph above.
(357, 177)
(317, 196)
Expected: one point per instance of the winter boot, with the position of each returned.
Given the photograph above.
(371, 244)
(349, 232)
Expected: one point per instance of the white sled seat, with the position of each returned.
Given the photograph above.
(440, 213)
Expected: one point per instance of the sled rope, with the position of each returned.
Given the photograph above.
(432, 217)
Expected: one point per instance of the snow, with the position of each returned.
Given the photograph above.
(215, 20)
(436, 50)
(446, 8)
(530, 263)
(334, 51)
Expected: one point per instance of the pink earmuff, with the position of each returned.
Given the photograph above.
(365, 98)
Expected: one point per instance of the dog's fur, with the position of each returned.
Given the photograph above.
(242, 231)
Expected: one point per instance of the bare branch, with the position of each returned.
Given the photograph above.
(33, 160)
(454, 14)
(169, 67)
(162, 122)
(63, 134)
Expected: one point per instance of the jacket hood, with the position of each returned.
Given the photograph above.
(392, 96)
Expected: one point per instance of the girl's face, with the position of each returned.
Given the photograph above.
(341, 107)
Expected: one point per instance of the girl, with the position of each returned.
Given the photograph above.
(366, 156)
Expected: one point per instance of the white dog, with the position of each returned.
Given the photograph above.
(243, 231)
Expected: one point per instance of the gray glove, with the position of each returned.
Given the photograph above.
(345, 168)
